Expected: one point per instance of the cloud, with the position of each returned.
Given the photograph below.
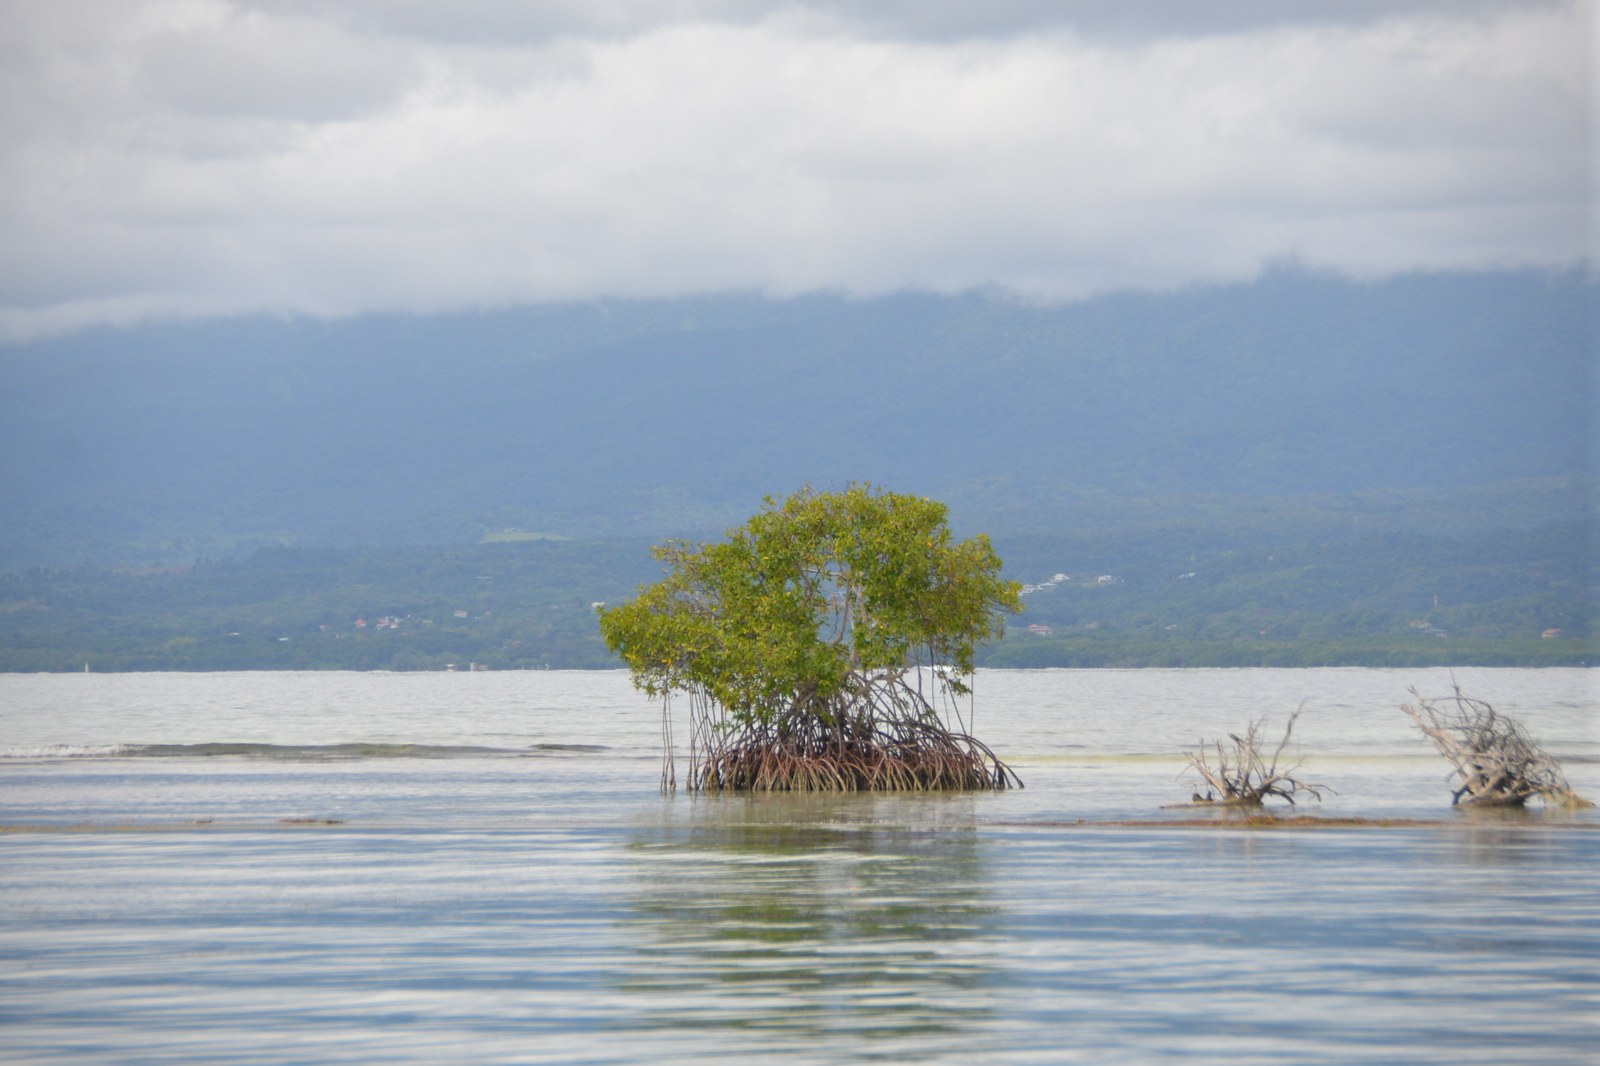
(927, 20)
(194, 157)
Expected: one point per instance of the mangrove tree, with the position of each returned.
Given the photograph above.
(826, 644)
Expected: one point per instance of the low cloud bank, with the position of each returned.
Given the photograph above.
(199, 157)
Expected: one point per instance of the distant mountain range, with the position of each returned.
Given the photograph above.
(1298, 395)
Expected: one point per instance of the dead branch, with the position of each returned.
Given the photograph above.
(1496, 762)
(1243, 774)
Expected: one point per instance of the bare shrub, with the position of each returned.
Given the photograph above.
(1244, 775)
(1496, 762)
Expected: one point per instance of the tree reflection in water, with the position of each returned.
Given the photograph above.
(815, 921)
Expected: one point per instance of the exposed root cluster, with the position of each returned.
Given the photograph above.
(1243, 775)
(1496, 762)
(936, 761)
(881, 735)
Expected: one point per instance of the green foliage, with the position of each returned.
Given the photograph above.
(809, 596)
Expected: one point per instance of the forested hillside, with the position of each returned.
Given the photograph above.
(1179, 598)
(523, 604)
(1301, 469)
(1200, 595)
(167, 443)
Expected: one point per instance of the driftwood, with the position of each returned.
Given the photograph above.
(1496, 762)
(1244, 775)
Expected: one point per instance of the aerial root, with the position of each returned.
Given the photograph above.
(916, 757)
(881, 736)
(772, 766)
(933, 760)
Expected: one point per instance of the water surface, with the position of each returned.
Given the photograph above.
(505, 884)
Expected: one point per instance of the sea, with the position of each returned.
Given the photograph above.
(482, 868)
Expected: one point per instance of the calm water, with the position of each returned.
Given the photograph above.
(505, 884)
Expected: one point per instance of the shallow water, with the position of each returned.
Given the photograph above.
(506, 884)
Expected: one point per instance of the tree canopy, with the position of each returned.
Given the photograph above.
(808, 593)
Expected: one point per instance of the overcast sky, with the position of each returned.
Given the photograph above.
(196, 157)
